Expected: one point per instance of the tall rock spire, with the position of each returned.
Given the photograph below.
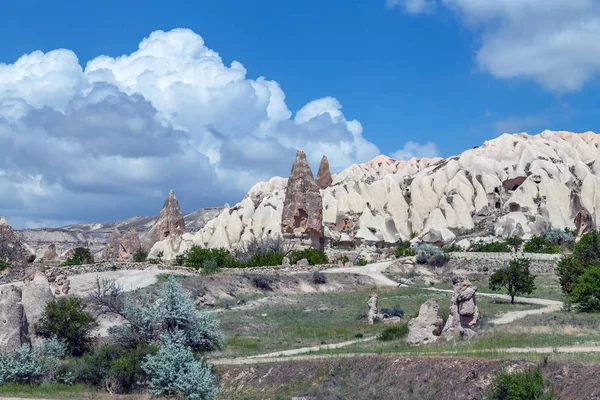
(169, 222)
(324, 175)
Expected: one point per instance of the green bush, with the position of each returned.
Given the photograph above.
(393, 332)
(264, 260)
(586, 292)
(262, 282)
(560, 236)
(361, 262)
(196, 257)
(5, 263)
(453, 248)
(81, 255)
(404, 250)
(515, 278)
(490, 247)
(140, 256)
(314, 256)
(539, 244)
(515, 242)
(586, 255)
(126, 373)
(525, 385)
(66, 319)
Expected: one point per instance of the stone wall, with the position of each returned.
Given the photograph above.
(490, 262)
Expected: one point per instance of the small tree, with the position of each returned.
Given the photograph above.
(538, 244)
(5, 262)
(515, 278)
(515, 242)
(66, 319)
(586, 254)
(140, 256)
(517, 385)
(586, 292)
(81, 255)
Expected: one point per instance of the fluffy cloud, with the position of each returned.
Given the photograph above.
(412, 6)
(109, 140)
(412, 149)
(553, 42)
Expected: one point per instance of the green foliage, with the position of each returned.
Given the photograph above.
(126, 373)
(586, 254)
(515, 242)
(516, 278)
(587, 290)
(525, 385)
(66, 319)
(393, 332)
(173, 310)
(428, 249)
(319, 278)
(404, 250)
(32, 365)
(264, 252)
(314, 256)
(210, 267)
(361, 262)
(197, 257)
(560, 236)
(140, 256)
(452, 248)
(264, 259)
(490, 247)
(539, 244)
(5, 263)
(81, 255)
(393, 312)
(174, 371)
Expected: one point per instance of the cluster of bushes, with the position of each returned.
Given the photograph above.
(490, 247)
(158, 349)
(431, 255)
(579, 273)
(404, 250)
(519, 385)
(80, 256)
(394, 332)
(539, 244)
(314, 256)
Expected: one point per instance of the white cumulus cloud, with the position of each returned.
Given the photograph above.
(412, 149)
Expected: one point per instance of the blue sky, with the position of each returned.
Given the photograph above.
(443, 74)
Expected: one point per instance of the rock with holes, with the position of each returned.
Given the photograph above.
(303, 206)
(11, 246)
(427, 327)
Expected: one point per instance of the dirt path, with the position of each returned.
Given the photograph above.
(372, 270)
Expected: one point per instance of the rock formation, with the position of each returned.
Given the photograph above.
(10, 245)
(36, 293)
(13, 322)
(169, 222)
(324, 179)
(303, 206)
(427, 327)
(122, 248)
(464, 312)
(50, 255)
(374, 316)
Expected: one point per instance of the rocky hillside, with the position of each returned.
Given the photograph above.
(513, 185)
(96, 235)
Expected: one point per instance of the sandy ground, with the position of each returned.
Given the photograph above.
(372, 270)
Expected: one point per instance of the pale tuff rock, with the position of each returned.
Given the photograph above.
(35, 295)
(170, 222)
(10, 245)
(13, 321)
(324, 179)
(427, 327)
(50, 255)
(122, 248)
(303, 205)
(464, 312)
(374, 316)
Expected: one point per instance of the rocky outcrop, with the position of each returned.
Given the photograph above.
(36, 293)
(374, 316)
(427, 327)
(324, 179)
(11, 246)
(464, 312)
(50, 255)
(170, 222)
(13, 321)
(303, 206)
(122, 248)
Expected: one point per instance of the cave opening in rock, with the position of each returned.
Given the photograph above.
(300, 218)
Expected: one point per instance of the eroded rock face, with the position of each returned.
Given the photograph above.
(303, 205)
(10, 244)
(50, 255)
(36, 293)
(324, 179)
(170, 222)
(122, 248)
(427, 327)
(464, 312)
(13, 322)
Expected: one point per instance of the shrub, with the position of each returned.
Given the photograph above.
(174, 371)
(515, 242)
(66, 319)
(559, 236)
(516, 278)
(93, 368)
(314, 256)
(587, 290)
(210, 267)
(266, 251)
(393, 332)
(428, 249)
(421, 259)
(197, 257)
(453, 248)
(140, 256)
(173, 310)
(81, 255)
(319, 278)
(107, 297)
(538, 244)
(262, 282)
(361, 262)
(586, 254)
(5, 263)
(438, 260)
(404, 250)
(490, 247)
(393, 312)
(525, 385)
(32, 365)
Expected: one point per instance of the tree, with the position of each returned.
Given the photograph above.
(81, 255)
(66, 319)
(515, 278)
(515, 242)
(586, 292)
(586, 254)
(539, 244)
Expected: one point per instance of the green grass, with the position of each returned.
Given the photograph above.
(46, 390)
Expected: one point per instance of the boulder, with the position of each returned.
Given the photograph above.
(169, 222)
(285, 262)
(13, 321)
(324, 179)
(303, 206)
(36, 293)
(464, 312)
(427, 327)
(50, 255)
(302, 262)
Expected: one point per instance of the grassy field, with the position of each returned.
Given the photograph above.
(322, 318)
(62, 391)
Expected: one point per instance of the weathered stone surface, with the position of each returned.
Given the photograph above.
(464, 312)
(50, 254)
(10, 244)
(36, 294)
(324, 179)
(13, 322)
(427, 327)
(303, 205)
(170, 222)
(302, 262)
(122, 248)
